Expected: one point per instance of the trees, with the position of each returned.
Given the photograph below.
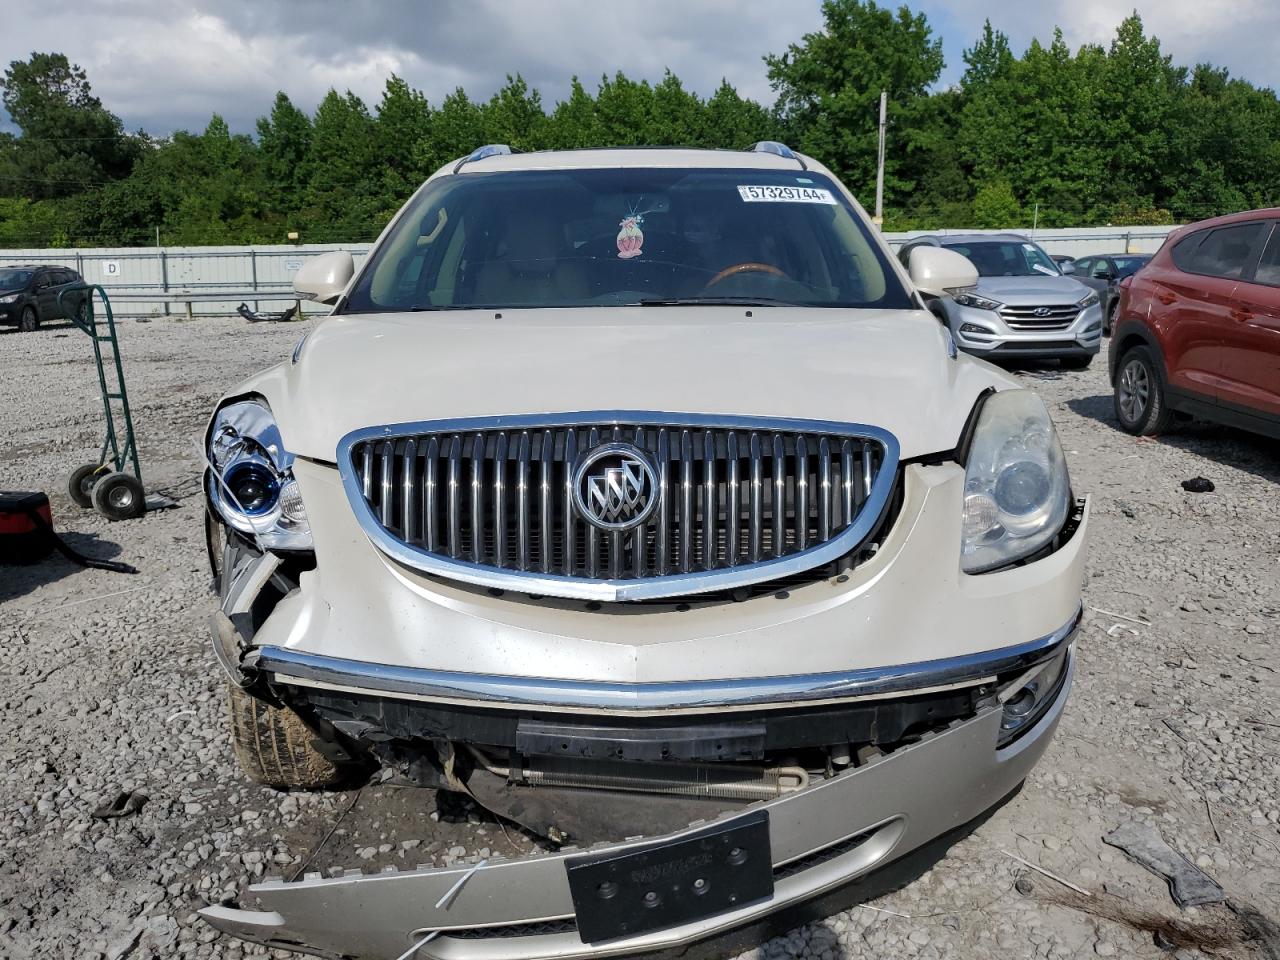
(1099, 134)
(829, 85)
(69, 140)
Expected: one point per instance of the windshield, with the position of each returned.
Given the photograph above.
(1007, 258)
(11, 279)
(576, 238)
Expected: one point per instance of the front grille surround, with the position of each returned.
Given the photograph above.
(1059, 317)
(420, 490)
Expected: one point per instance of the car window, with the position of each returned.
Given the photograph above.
(1226, 250)
(1101, 269)
(14, 279)
(1268, 270)
(1127, 266)
(1007, 258)
(1083, 265)
(608, 237)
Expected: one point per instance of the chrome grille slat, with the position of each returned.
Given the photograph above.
(522, 501)
(755, 516)
(686, 501)
(477, 498)
(430, 530)
(408, 489)
(455, 497)
(740, 502)
(499, 525)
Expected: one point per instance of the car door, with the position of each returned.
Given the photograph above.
(1194, 303)
(46, 289)
(1251, 338)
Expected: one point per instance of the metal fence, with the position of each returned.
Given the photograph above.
(268, 271)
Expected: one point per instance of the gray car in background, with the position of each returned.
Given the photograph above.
(1103, 272)
(1022, 308)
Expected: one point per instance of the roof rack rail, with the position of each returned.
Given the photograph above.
(480, 153)
(778, 150)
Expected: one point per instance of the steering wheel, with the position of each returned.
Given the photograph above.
(747, 267)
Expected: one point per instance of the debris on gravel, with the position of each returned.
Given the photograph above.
(109, 687)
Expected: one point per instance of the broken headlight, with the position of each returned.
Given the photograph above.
(1016, 490)
(250, 478)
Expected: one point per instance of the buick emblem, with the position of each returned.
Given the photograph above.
(1042, 311)
(615, 487)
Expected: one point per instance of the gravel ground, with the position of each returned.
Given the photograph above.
(108, 684)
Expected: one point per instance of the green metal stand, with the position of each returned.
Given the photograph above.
(106, 485)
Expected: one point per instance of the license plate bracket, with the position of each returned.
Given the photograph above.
(720, 868)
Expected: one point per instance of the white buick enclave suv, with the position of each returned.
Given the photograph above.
(637, 495)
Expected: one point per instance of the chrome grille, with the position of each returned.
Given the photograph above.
(1056, 316)
(744, 501)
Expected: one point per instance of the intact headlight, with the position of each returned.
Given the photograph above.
(1089, 299)
(973, 300)
(11, 298)
(250, 479)
(1017, 491)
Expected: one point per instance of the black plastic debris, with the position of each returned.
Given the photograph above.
(1188, 884)
(1198, 485)
(126, 804)
(284, 316)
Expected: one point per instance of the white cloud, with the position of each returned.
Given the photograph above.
(161, 66)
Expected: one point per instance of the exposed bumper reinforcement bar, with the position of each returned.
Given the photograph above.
(820, 838)
(312, 670)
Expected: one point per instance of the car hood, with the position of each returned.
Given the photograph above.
(1024, 290)
(890, 369)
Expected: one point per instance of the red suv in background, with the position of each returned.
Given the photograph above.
(1198, 328)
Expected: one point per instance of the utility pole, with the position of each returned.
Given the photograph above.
(884, 107)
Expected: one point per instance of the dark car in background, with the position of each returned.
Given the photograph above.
(29, 295)
(1104, 272)
(1198, 329)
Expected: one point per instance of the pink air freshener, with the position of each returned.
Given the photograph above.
(630, 238)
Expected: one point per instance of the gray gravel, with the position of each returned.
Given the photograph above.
(108, 684)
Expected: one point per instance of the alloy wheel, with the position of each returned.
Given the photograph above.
(1135, 390)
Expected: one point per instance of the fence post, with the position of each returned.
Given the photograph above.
(164, 276)
(253, 266)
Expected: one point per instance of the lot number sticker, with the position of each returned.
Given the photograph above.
(774, 194)
(111, 268)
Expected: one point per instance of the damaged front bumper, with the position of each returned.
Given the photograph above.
(819, 838)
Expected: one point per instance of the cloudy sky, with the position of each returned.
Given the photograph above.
(163, 64)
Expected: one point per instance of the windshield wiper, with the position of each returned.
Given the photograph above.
(713, 302)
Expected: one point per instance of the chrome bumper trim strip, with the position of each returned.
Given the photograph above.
(308, 669)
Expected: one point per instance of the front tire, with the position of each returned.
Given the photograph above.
(29, 320)
(1110, 323)
(1140, 403)
(275, 748)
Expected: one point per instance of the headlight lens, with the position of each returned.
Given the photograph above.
(973, 300)
(250, 480)
(1017, 491)
(11, 298)
(1089, 299)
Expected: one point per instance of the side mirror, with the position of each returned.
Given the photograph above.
(936, 272)
(1067, 267)
(323, 278)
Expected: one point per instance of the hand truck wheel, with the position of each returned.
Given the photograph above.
(119, 496)
(81, 482)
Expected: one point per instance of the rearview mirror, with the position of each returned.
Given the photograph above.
(937, 272)
(323, 278)
(1067, 267)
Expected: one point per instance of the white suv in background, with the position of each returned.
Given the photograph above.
(1023, 307)
(637, 495)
